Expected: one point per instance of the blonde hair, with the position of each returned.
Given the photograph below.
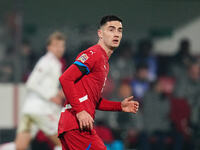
(55, 36)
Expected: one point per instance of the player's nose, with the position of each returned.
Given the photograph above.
(117, 34)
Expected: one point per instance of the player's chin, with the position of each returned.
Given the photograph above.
(115, 45)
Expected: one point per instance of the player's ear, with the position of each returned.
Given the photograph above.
(100, 33)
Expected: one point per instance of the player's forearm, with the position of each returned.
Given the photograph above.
(107, 105)
(71, 95)
(67, 81)
(60, 94)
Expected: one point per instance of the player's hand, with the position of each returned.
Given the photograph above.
(129, 105)
(85, 120)
(57, 100)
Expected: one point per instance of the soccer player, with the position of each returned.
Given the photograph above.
(44, 97)
(83, 84)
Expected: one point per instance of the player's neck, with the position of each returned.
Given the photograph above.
(54, 54)
(108, 50)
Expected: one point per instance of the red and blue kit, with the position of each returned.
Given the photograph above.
(83, 84)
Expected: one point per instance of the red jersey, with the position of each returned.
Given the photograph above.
(83, 84)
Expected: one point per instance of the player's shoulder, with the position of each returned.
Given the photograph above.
(44, 61)
(95, 49)
(92, 51)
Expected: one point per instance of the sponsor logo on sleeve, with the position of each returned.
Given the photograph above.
(83, 58)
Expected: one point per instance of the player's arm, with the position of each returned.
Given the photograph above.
(107, 105)
(127, 105)
(59, 98)
(67, 80)
(82, 66)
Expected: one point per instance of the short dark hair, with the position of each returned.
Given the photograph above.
(108, 18)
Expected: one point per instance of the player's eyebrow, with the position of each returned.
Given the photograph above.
(112, 27)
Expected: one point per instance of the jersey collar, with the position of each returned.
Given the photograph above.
(104, 52)
(50, 54)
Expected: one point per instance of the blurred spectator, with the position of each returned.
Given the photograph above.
(167, 83)
(156, 109)
(6, 71)
(124, 120)
(188, 87)
(140, 83)
(164, 65)
(27, 61)
(180, 114)
(123, 67)
(181, 59)
(105, 133)
(116, 120)
(7, 66)
(27, 58)
(183, 54)
(145, 55)
(128, 124)
(2, 40)
(131, 140)
(6, 48)
(8, 54)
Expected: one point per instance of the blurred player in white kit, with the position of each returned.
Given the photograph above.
(44, 97)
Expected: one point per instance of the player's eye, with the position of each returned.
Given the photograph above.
(120, 30)
(111, 29)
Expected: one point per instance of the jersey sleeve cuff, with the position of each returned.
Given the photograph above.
(78, 109)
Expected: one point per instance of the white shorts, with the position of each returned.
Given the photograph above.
(40, 113)
(46, 123)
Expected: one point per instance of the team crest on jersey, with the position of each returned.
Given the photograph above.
(83, 58)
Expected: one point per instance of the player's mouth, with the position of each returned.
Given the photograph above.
(115, 41)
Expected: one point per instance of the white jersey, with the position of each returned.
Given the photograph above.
(43, 84)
